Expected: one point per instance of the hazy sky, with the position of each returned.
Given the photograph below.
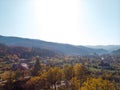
(78, 22)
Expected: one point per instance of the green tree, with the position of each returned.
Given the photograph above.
(36, 68)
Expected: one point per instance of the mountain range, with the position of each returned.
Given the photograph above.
(116, 52)
(109, 48)
(66, 49)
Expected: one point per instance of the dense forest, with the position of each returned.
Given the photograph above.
(24, 68)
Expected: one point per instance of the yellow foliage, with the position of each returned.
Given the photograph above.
(79, 70)
(75, 84)
(7, 75)
(97, 84)
(54, 75)
(68, 71)
(33, 80)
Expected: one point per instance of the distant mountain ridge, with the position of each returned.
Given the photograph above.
(66, 49)
(116, 52)
(109, 48)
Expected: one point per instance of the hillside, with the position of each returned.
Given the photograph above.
(66, 49)
(109, 48)
(116, 52)
(24, 52)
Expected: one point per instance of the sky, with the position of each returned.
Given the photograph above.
(77, 22)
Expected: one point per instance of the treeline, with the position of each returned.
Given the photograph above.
(24, 52)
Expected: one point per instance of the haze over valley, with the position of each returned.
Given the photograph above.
(59, 44)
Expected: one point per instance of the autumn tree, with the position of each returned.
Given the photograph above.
(68, 73)
(8, 76)
(98, 84)
(43, 82)
(46, 79)
(80, 72)
(30, 85)
(75, 84)
(54, 75)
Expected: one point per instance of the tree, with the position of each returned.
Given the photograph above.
(54, 75)
(36, 67)
(68, 72)
(46, 79)
(18, 74)
(43, 82)
(9, 77)
(80, 72)
(98, 84)
(31, 84)
(74, 84)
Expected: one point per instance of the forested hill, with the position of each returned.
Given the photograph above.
(109, 48)
(24, 52)
(66, 49)
(116, 52)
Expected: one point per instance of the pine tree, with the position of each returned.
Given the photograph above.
(36, 68)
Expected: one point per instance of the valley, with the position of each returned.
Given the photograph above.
(29, 67)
